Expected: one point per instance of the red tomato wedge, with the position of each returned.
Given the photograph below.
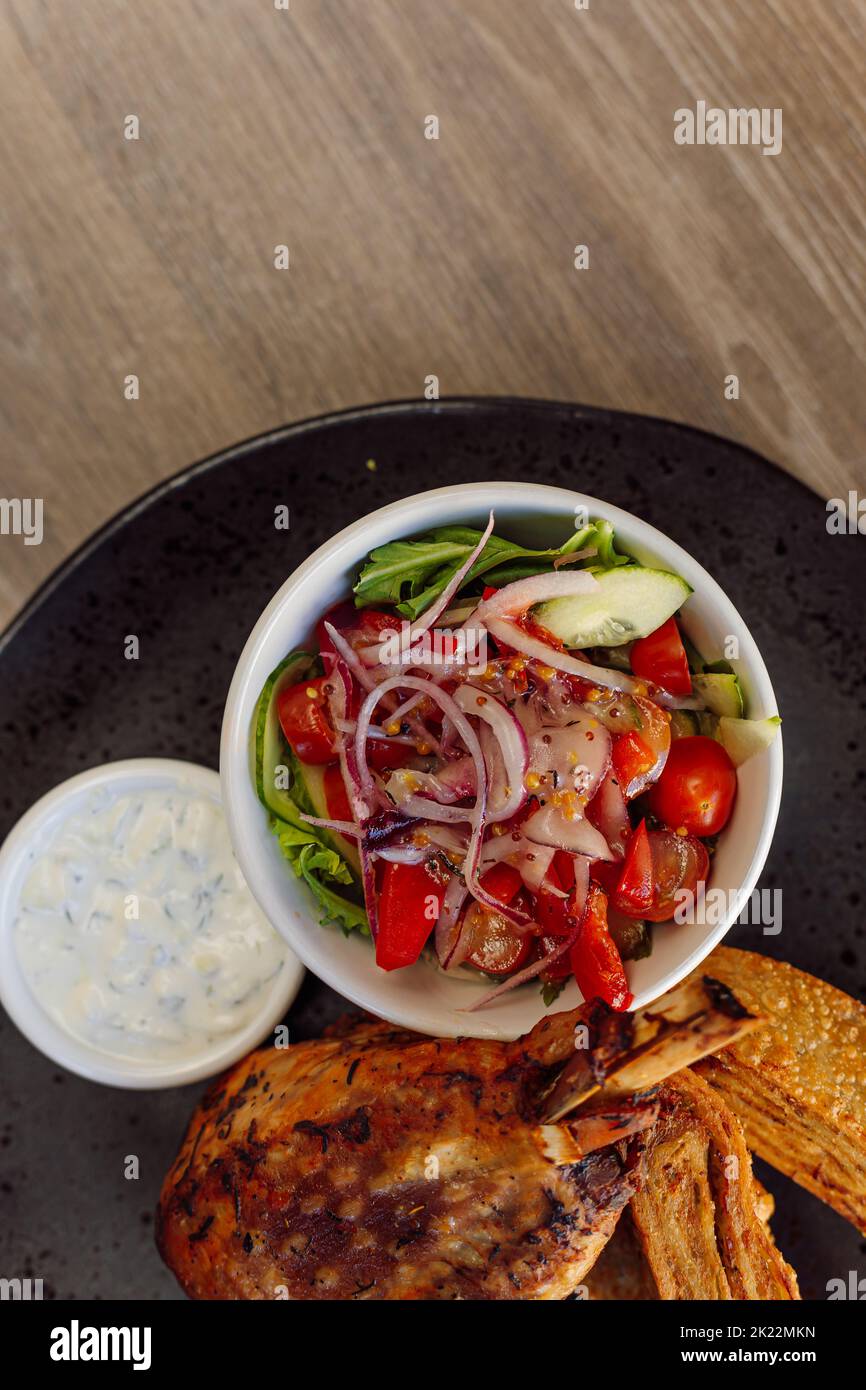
(336, 796)
(303, 715)
(634, 891)
(595, 960)
(410, 901)
(661, 658)
(697, 787)
(502, 882)
(551, 910)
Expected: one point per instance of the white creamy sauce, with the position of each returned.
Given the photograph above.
(136, 930)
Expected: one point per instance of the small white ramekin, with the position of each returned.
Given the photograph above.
(20, 850)
(422, 997)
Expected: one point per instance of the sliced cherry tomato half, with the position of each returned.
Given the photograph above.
(595, 960)
(303, 715)
(497, 946)
(697, 787)
(680, 863)
(410, 901)
(661, 658)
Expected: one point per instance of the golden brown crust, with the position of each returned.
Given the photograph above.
(699, 1213)
(798, 1085)
(381, 1164)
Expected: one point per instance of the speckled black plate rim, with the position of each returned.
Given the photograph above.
(467, 405)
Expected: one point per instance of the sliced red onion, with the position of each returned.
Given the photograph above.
(548, 826)
(339, 697)
(443, 787)
(533, 647)
(531, 861)
(449, 927)
(384, 827)
(476, 816)
(404, 854)
(609, 814)
(562, 560)
(514, 599)
(513, 751)
(424, 808)
(458, 778)
(368, 682)
(428, 618)
(574, 756)
(581, 890)
(341, 827)
(375, 731)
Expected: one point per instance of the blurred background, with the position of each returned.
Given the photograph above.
(304, 124)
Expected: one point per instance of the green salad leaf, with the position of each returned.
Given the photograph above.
(314, 858)
(319, 865)
(412, 574)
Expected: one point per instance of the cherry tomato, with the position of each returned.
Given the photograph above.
(342, 616)
(336, 796)
(680, 863)
(661, 658)
(410, 901)
(697, 787)
(595, 960)
(303, 714)
(497, 946)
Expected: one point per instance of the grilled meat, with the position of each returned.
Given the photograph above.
(383, 1164)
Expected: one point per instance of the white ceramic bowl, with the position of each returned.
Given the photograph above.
(422, 997)
(21, 847)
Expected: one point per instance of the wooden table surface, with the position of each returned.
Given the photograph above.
(409, 257)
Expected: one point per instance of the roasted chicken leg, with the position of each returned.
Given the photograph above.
(382, 1164)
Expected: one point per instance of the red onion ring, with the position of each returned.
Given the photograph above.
(514, 599)
(536, 650)
(511, 740)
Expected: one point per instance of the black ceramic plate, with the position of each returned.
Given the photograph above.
(190, 567)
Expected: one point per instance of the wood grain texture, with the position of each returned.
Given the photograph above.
(412, 256)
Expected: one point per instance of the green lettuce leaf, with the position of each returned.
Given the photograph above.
(314, 859)
(412, 574)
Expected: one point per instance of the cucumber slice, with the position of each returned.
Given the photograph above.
(744, 737)
(721, 693)
(313, 778)
(269, 742)
(630, 602)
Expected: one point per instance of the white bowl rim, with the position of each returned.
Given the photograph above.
(234, 765)
(24, 1008)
